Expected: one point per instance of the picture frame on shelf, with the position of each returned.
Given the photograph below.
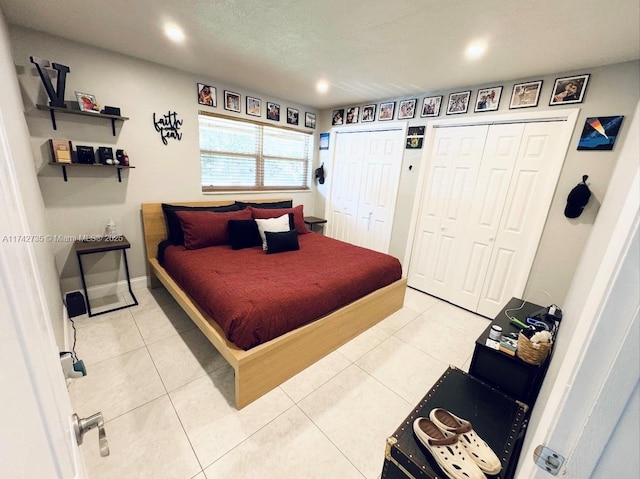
(458, 102)
(273, 111)
(232, 101)
(87, 102)
(254, 106)
(309, 120)
(368, 113)
(406, 109)
(431, 106)
(525, 95)
(488, 99)
(60, 150)
(567, 90)
(207, 95)
(353, 115)
(293, 116)
(386, 110)
(337, 117)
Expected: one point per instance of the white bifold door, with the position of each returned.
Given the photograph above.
(364, 187)
(484, 203)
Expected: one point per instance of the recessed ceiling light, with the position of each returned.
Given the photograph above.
(476, 50)
(322, 86)
(174, 32)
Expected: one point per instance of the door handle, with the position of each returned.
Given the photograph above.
(82, 425)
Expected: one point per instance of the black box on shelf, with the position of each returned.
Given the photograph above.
(75, 304)
(85, 155)
(111, 110)
(497, 418)
(105, 154)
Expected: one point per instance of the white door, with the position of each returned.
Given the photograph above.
(447, 198)
(535, 176)
(35, 412)
(479, 231)
(379, 188)
(345, 187)
(364, 186)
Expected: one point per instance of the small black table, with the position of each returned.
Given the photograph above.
(115, 243)
(312, 220)
(509, 374)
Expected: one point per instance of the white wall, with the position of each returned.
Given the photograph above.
(612, 90)
(162, 173)
(11, 109)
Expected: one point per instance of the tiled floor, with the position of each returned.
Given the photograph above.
(167, 395)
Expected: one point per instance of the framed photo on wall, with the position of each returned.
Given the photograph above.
(368, 113)
(309, 119)
(569, 90)
(488, 99)
(337, 117)
(458, 102)
(254, 106)
(273, 111)
(231, 101)
(386, 111)
(406, 109)
(206, 95)
(292, 116)
(353, 114)
(525, 95)
(431, 106)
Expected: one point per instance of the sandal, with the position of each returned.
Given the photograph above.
(446, 450)
(476, 448)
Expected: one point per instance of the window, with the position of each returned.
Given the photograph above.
(246, 155)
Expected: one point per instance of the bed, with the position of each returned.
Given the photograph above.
(265, 361)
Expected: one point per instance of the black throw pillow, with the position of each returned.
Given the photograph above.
(243, 234)
(274, 204)
(281, 242)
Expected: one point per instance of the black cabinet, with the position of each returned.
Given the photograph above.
(509, 374)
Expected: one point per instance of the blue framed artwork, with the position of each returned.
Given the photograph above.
(324, 141)
(600, 133)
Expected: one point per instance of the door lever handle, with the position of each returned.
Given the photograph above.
(82, 425)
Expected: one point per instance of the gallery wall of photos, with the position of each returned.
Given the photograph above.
(566, 90)
(232, 101)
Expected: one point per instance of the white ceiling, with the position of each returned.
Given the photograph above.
(366, 49)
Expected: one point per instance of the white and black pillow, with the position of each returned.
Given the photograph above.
(275, 225)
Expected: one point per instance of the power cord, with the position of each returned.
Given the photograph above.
(511, 318)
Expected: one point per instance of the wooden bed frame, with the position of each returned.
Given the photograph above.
(264, 367)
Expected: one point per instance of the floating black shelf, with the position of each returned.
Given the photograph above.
(53, 109)
(64, 166)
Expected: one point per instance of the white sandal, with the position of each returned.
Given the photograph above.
(446, 450)
(477, 449)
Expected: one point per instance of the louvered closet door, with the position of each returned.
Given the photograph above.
(345, 187)
(480, 231)
(379, 188)
(535, 176)
(447, 199)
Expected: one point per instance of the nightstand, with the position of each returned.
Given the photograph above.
(311, 221)
(118, 243)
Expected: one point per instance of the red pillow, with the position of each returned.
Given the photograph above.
(298, 216)
(206, 228)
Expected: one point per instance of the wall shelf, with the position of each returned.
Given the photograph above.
(53, 109)
(64, 166)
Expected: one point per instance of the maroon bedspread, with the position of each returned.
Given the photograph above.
(256, 297)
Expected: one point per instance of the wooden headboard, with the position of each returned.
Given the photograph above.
(154, 227)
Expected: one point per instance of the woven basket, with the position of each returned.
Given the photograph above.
(528, 353)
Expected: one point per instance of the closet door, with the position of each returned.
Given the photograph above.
(471, 260)
(447, 199)
(379, 188)
(365, 178)
(345, 188)
(533, 183)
